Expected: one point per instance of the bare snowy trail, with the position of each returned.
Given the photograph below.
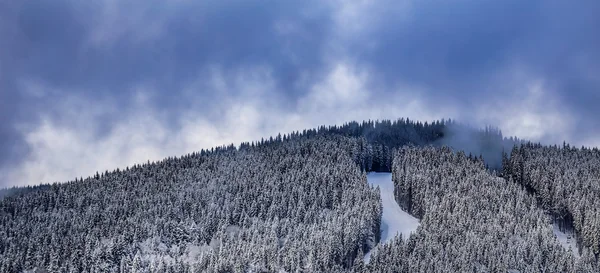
(393, 220)
(567, 240)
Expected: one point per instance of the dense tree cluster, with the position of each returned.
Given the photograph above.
(376, 139)
(293, 206)
(471, 220)
(380, 138)
(292, 203)
(566, 181)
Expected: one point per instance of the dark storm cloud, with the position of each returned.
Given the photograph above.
(104, 48)
(458, 49)
(111, 45)
(523, 62)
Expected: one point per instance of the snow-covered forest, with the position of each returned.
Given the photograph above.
(566, 182)
(471, 220)
(285, 206)
(300, 202)
(394, 220)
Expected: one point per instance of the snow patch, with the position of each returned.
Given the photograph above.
(566, 239)
(393, 220)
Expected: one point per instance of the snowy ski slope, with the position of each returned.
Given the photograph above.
(394, 220)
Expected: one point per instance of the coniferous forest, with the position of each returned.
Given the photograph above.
(300, 202)
(471, 220)
(566, 183)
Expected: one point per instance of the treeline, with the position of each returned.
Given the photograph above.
(376, 142)
(471, 220)
(379, 138)
(566, 182)
(291, 206)
(295, 202)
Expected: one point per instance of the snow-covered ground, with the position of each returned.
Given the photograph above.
(394, 220)
(567, 240)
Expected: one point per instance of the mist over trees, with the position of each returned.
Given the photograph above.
(300, 202)
(380, 138)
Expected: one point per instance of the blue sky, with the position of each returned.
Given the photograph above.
(95, 85)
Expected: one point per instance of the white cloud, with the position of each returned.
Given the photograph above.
(222, 107)
(527, 108)
(249, 106)
(353, 18)
(245, 105)
(343, 87)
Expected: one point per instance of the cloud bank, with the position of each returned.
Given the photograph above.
(96, 86)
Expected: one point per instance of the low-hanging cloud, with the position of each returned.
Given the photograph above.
(65, 150)
(96, 86)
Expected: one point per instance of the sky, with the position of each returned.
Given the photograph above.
(96, 85)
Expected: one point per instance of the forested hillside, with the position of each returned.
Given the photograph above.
(471, 221)
(300, 202)
(378, 139)
(566, 181)
(294, 205)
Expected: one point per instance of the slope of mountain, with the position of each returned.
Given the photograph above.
(566, 182)
(470, 220)
(394, 221)
(283, 206)
(303, 202)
